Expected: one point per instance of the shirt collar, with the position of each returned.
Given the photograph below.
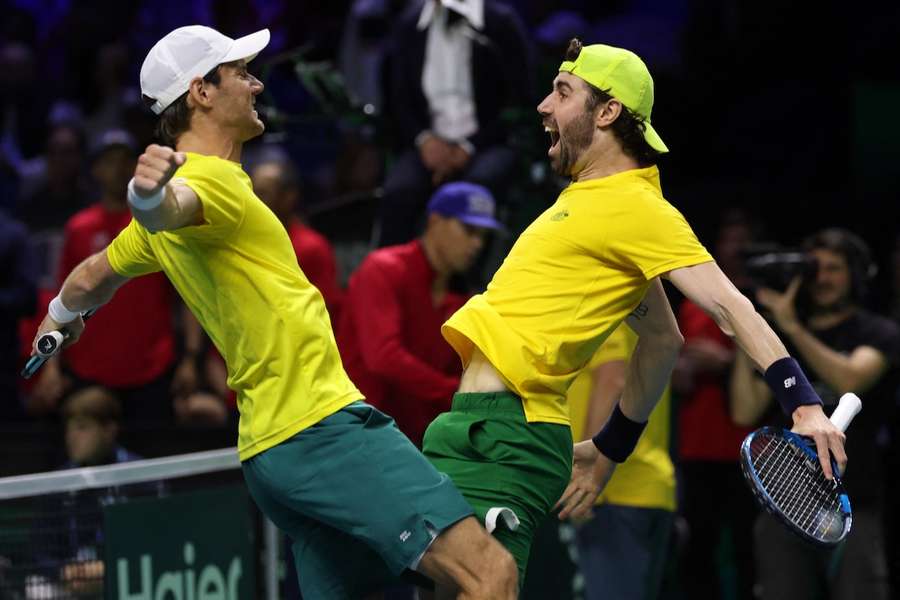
(471, 10)
(649, 174)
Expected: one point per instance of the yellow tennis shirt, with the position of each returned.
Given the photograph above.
(237, 272)
(647, 477)
(572, 276)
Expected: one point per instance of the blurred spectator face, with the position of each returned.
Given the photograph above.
(833, 284)
(569, 123)
(88, 440)
(113, 170)
(234, 99)
(269, 185)
(92, 425)
(64, 154)
(456, 243)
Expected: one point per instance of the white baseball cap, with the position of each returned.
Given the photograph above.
(190, 52)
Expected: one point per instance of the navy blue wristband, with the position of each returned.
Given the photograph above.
(619, 436)
(790, 385)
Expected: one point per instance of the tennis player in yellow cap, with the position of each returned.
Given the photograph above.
(590, 261)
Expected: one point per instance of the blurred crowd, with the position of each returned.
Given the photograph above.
(403, 155)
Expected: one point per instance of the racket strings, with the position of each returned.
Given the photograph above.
(797, 486)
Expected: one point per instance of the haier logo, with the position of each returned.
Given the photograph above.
(211, 583)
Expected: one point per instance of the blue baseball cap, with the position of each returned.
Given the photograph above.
(470, 203)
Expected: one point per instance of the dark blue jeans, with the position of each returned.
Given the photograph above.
(622, 552)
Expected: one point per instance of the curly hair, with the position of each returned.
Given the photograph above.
(176, 118)
(628, 127)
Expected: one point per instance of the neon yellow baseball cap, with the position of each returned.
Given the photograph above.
(623, 75)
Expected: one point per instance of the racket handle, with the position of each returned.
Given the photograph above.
(49, 343)
(848, 407)
(34, 363)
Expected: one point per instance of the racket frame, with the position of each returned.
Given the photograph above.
(762, 496)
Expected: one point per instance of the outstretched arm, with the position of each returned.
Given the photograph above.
(709, 288)
(92, 283)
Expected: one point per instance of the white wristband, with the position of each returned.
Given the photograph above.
(142, 203)
(59, 313)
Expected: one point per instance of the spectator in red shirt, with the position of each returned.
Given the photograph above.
(277, 184)
(389, 334)
(709, 441)
(124, 348)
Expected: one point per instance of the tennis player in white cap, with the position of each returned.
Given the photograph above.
(360, 503)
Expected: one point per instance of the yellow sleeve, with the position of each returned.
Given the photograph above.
(656, 239)
(618, 346)
(130, 253)
(219, 194)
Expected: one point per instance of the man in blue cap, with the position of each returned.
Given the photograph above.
(389, 334)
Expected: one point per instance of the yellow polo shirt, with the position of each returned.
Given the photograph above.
(238, 274)
(647, 478)
(572, 276)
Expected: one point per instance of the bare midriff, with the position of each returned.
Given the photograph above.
(481, 376)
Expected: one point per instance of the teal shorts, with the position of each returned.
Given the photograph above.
(358, 500)
(497, 459)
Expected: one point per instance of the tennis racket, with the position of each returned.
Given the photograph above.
(48, 345)
(783, 470)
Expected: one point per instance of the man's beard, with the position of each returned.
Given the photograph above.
(834, 307)
(578, 137)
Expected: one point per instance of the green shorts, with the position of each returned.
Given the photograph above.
(497, 459)
(358, 500)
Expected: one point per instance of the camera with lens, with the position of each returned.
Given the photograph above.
(773, 266)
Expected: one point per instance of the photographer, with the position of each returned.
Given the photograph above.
(843, 348)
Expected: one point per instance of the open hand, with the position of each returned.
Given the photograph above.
(810, 421)
(591, 471)
(435, 153)
(782, 306)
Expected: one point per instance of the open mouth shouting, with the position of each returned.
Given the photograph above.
(554, 136)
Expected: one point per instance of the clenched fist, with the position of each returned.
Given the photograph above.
(155, 168)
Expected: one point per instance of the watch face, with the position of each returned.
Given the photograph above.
(46, 345)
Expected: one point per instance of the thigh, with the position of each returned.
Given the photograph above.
(499, 463)
(356, 473)
(332, 564)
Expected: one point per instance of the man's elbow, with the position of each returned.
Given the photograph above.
(727, 310)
